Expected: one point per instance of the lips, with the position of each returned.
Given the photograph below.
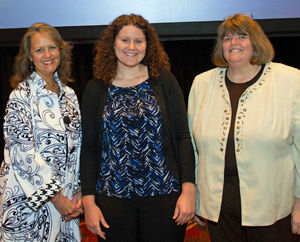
(235, 50)
(131, 54)
(48, 62)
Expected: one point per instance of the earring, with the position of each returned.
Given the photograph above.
(31, 66)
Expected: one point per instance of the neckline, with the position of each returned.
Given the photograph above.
(247, 83)
(131, 87)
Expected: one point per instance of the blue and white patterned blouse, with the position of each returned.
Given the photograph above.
(132, 153)
(41, 158)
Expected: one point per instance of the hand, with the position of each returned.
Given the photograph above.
(199, 220)
(93, 216)
(185, 206)
(65, 206)
(296, 217)
(77, 201)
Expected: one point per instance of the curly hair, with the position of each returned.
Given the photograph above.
(105, 60)
(23, 66)
(263, 51)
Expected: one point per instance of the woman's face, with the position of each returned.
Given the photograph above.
(45, 55)
(130, 46)
(237, 48)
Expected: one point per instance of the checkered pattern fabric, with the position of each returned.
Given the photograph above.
(43, 195)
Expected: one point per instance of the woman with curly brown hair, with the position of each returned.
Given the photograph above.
(137, 168)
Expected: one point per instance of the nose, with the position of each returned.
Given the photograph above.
(47, 53)
(131, 45)
(233, 41)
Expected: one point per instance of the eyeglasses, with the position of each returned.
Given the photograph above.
(250, 15)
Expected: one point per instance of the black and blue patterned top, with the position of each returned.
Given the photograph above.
(132, 156)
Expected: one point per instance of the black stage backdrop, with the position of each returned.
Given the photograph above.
(188, 58)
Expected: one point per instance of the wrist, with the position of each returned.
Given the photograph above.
(55, 200)
(188, 188)
(88, 200)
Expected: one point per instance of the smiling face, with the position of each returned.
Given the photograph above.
(45, 55)
(237, 49)
(130, 46)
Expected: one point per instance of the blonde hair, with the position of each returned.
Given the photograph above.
(23, 65)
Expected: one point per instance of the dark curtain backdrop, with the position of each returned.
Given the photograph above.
(188, 58)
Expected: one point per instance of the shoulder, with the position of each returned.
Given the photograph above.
(70, 92)
(283, 79)
(68, 89)
(95, 85)
(19, 98)
(94, 91)
(165, 78)
(282, 69)
(22, 89)
(280, 66)
(166, 75)
(281, 73)
(212, 73)
(208, 77)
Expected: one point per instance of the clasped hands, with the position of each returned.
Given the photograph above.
(69, 209)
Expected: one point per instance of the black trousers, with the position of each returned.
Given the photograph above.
(229, 229)
(141, 219)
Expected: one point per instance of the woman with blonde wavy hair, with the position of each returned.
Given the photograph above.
(40, 199)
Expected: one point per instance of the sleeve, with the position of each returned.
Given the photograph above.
(296, 134)
(186, 160)
(190, 114)
(90, 149)
(76, 137)
(30, 170)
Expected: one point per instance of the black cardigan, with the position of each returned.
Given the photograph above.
(177, 146)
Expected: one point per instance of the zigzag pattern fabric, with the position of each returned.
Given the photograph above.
(132, 155)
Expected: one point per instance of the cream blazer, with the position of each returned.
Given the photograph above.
(267, 143)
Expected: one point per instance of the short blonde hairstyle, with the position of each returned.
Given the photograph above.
(263, 50)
